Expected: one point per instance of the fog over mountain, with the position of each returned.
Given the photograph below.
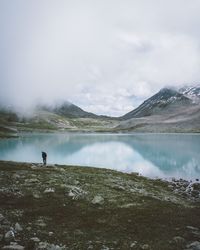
(107, 57)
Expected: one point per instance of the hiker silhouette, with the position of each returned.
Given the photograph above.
(44, 157)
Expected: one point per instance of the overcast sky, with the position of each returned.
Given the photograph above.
(105, 56)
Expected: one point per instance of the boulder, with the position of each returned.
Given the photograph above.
(98, 200)
(10, 235)
(192, 228)
(133, 244)
(76, 193)
(49, 190)
(18, 227)
(179, 240)
(47, 246)
(194, 245)
(145, 246)
(35, 239)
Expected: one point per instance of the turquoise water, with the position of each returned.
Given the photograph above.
(152, 155)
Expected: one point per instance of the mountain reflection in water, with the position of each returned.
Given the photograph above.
(152, 155)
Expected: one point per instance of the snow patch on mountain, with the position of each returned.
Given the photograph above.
(191, 92)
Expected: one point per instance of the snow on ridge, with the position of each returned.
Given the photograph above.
(191, 92)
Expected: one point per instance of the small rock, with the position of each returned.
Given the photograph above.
(98, 200)
(36, 166)
(42, 245)
(145, 246)
(18, 227)
(133, 245)
(55, 247)
(49, 190)
(47, 246)
(41, 223)
(192, 228)
(35, 239)
(36, 196)
(33, 180)
(14, 246)
(10, 235)
(128, 205)
(51, 233)
(194, 245)
(105, 248)
(78, 232)
(16, 176)
(179, 240)
(90, 247)
(119, 188)
(76, 193)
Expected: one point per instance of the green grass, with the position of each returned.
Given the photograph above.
(78, 223)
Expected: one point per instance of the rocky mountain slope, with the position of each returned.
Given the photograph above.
(165, 101)
(191, 92)
(69, 110)
(66, 116)
(186, 120)
(167, 111)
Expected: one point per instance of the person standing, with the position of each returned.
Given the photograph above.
(44, 157)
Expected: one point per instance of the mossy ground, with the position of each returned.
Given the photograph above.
(135, 210)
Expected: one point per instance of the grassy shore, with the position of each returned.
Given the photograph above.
(70, 207)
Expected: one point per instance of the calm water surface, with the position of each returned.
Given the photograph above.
(152, 155)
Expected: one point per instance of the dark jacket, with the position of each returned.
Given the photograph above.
(44, 155)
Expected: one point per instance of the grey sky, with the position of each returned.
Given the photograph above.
(106, 56)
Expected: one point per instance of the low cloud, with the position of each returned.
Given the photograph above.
(105, 56)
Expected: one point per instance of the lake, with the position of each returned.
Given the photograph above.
(152, 155)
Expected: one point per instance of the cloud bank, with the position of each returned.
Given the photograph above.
(105, 56)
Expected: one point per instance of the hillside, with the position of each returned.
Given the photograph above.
(66, 117)
(164, 102)
(69, 110)
(168, 110)
(186, 119)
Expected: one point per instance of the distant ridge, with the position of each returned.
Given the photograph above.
(69, 110)
(169, 110)
(165, 101)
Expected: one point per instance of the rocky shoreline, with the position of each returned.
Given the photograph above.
(69, 207)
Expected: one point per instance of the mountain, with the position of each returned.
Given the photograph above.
(165, 101)
(185, 120)
(65, 116)
(69, 110)
(168, 110)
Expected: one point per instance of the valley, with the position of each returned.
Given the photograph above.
(169, 110)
